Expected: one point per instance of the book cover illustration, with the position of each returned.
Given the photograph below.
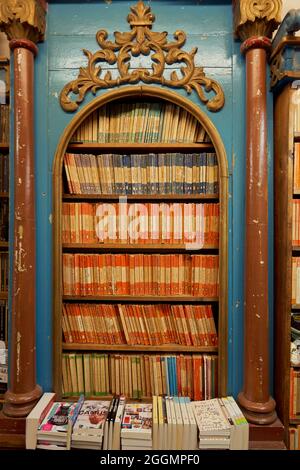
(92, 417)
(57, 419)
(137, 418)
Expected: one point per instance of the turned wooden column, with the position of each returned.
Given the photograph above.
(255, 398)
(24, 24)
(254, 22)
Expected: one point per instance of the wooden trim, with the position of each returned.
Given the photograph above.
(283, 188)
(158, 93)
(117, 247)
(142, 197)
(4, 245)
(287, 41)
(139, 347)
(4, 195)
(4, 146)
(139, 147)
(3, 295)
(139, 298)
(297, 138)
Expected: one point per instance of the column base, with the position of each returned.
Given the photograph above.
(18, 405)
(258, 413)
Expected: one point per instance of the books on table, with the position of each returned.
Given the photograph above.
(221, 424)
(89, 427)
(35, 418)
(136, 428)
(55, 430)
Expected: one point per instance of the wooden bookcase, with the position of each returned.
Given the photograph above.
(286, 138)
(61, 195)
(4, 198)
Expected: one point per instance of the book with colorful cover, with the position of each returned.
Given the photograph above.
(137, 421)
(91, 418)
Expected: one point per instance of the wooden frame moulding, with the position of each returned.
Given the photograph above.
(284, 143)
(165, 95)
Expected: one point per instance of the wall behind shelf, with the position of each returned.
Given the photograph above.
(71, 27)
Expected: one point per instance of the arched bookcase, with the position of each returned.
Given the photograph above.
(92, 359)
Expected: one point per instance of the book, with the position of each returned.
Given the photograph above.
(137, 421)
(58, 424)
(35, 417)
(210, 418)
(89, 426)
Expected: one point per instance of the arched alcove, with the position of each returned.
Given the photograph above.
(132, 94)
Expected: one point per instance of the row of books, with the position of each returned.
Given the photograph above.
(294, 393)
(140, 375)
(4, 220)
(4, 174)
(187, 325)
(170, 223)
(296, 99)
(140, 122)
(139, 274)
(164, 423)
(295, 280)
(164, 173)
(3, 272)
(296, 223)
(4, 123)
(3, 320)
(294, 433)
(297, 167)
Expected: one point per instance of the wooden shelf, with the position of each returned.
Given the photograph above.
(139, 298)
(296, 307)
(4, 195)
(4, 146)
(3, 245)
(297, 137)
(139, 347)
(135, 247)
(106, 397)
(142, 197)
(296, 248)
(140, 147)
(3, 295)
(295, 421)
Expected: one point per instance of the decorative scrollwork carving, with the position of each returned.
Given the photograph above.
(142, 41)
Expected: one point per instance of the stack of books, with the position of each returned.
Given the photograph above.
(112, 428)
(221, 424)
(55, 431)
(174, 425)
(136, 429)
(88, 430)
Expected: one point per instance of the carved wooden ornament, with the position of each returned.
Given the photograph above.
(141, 41)
(23, 19)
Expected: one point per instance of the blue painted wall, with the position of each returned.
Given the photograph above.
(72, 26)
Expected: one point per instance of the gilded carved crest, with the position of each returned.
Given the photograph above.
(141, 41)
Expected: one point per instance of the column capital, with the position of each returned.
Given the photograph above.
(256, 17)
(23, 19)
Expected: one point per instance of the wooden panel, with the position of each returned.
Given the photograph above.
(283, 251)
